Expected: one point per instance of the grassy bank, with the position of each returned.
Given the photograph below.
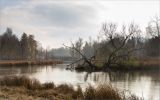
(26, 62)
(23, 88)
(143, 64)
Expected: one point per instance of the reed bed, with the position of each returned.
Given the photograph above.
(26, 88)
(25, 63)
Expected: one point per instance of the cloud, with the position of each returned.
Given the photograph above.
(8, 3)
(62, 15)
(56, 14)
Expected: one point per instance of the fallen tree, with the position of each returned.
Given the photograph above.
(83, 57)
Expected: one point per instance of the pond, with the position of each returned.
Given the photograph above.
(144, 83)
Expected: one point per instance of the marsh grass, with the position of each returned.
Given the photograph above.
(32, 87)
(21, 81)
(26, 62)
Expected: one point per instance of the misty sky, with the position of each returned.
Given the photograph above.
(56, 22)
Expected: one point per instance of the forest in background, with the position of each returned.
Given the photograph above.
(114, 48)
(27, 48)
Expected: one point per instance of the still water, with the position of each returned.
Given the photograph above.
(143, 84)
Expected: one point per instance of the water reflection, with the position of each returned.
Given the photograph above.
(144, 84)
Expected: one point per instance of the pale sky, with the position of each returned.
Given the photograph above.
(56, 22)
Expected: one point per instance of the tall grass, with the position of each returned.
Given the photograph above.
(66, 92)
(102, 91)
(20, 81)
(26, 82)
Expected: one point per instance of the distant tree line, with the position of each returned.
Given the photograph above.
(13, 48)
(60, 53)
(113, 44)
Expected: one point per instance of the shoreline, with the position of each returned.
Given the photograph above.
(27, 62)
(146, 65)
(118, 69)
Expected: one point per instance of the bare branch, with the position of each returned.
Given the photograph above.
(83, 56)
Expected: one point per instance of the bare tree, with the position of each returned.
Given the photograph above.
(153, 43)
(118, 41)
(82, 57)
(154, 27)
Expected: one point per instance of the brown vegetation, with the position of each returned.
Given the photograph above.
(26, 62)
(23, 88)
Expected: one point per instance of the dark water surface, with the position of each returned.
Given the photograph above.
(144, 83)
